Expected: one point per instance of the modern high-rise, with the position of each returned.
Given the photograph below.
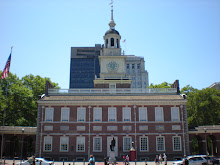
(84, 65)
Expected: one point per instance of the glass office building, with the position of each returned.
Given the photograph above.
(84, 66)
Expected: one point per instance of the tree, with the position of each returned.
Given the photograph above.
(36, 84)
(203, 107)
(21, 106)
(162, 85)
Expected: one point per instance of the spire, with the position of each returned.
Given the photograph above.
(112, 23)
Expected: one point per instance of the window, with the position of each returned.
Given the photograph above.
(126, 143)
(81, 114)
(65, 114)
(49, 114)
(97, 114)
(112, 114)
(47, 143)
(106, 43)
(142, 114)
(175, 114)
(118, 44)
(132, 66)
(64, 143)
(80, 144)
(97, 144)
(126, 114)
(176, 143)
(159, 114)
(112, 41)
(143, 143)
(138, 66)
(128, 66)
(160, 143)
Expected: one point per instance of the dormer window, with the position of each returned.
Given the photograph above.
(112, 41)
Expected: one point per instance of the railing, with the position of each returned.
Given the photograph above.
(101, 91)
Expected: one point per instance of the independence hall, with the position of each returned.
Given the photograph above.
(77, 122)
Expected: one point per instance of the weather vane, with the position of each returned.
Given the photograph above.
(111, 3)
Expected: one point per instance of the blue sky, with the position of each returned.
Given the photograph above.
(179, 39)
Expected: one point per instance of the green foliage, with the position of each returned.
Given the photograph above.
(203, 106)
(162, 85)
(195, 146)
(21, 106)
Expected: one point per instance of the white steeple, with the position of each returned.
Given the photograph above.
(112, 23)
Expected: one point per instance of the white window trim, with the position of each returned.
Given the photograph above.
(172, 117)
(156, 109)
(84, 117)
(109, 109)
(140, 108)
(97, 108)
(147, 143)
(67, 143)
(124, 143)
(124, 109)
(68, 110)
(51, 144)
(78, 143)
(94, 144)
(52, 109)
(163, 143)
(180, 143)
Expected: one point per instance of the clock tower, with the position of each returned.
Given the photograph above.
(112, 63)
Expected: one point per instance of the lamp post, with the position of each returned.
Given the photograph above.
(135, 129)
(89, 130)
(22, 142)
(41, 130)
(205, 130)
(184, 147)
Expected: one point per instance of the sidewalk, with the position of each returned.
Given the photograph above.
(10, 162)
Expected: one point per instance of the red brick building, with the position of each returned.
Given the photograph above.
(72, 124)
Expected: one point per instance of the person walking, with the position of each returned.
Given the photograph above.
(160, 159)
(185, 161)
(91, 160)
(156, 160)
(165, 159)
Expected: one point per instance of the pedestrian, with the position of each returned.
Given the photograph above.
(34, 160)
(185, 160)
(160, 159)
(156, 160)
(127, 159)
(124, 158)
(105, 161)
(165, 159)
(91, 162)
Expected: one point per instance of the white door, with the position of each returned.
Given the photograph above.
(109, 139)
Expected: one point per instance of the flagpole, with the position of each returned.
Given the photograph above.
(3, 124)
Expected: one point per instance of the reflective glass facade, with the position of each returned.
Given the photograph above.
(83, 71)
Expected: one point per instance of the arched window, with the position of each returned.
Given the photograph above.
(112, 41)
(106, 43)
(117, 44)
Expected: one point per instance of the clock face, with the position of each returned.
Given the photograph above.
(112, 66)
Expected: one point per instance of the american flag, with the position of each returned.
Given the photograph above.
(7, 67)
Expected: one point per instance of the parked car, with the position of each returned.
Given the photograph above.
(196, 160)
(38, 161)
